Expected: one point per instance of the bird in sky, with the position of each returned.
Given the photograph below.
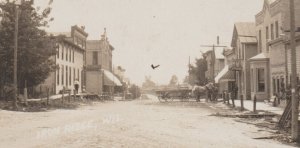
(154, 67)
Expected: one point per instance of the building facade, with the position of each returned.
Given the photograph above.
(244, 44)
(215, 62)
(99, 75)
(70, 60)
(270, 69)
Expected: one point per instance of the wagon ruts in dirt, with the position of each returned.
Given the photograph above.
(170, 94)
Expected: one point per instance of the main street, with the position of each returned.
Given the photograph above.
(139, 123)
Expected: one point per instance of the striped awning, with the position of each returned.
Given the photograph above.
(110, 79)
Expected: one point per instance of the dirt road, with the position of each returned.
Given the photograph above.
(140, 123)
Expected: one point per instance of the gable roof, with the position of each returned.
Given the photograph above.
(245, 32)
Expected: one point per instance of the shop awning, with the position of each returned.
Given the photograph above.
(221, 74)
(110, 79)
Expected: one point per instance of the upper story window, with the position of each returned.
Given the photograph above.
(276, 29)
(95, 57)
(57, 47)
(272, 31)
(67, 51)
(62, 51)
(267, 33)
(70, 55)
(259, 41)
(73, 57)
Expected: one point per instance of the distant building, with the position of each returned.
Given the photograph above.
(70, 60)
(226, 78)
(244, 44)
(99, 76)
(215, 62)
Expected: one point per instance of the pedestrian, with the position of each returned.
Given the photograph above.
(76, 86)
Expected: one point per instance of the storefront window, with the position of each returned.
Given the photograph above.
(261, 79)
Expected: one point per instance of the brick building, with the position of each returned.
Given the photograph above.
(271, 67)
(99, 76)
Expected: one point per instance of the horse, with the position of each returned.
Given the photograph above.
(198, 91)
(210, 90)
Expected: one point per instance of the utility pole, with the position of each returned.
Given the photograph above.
(15, 79)
(295, 101)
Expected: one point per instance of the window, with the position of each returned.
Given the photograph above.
(78, 74)
(67, 51)
(62, 74)
(73, 56)
(70, 56)
(70, 75)
(57, 79)
(274, 85)
(272, 32)
(66, 75)
(74, 74)
(95, 58)
(252, 74)
(57, 46)
(278, 85)
(276, 29)
(267, 33)
(259, 42)
(261, 79)
(62, 52)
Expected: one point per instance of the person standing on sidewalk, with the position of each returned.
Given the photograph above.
(76, 86)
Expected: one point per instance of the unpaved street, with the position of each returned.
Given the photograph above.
(140, 123)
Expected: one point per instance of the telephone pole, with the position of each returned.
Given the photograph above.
(15, 74)
(295, 101)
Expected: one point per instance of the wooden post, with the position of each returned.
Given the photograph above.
(74, 97)
(223, 96)
(62, 98)
(69, 99)
(295, 101)
(254, 104)
(48, 96)
(242, 103)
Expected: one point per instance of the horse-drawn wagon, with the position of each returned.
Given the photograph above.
(171, 93)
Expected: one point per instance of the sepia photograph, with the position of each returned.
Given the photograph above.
(149, 73)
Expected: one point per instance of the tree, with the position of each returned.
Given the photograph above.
(148, 83)
(135, 91)
(34, 48)
(197, 72)
(173, 81)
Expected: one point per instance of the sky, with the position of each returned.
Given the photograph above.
(145, 32)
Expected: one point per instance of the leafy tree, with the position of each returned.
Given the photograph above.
(197, 72)
(34, 50)
(173, 81)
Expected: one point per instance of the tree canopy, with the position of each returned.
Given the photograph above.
(34, 45)
(197, 72)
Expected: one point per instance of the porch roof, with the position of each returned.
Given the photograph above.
(260, 56)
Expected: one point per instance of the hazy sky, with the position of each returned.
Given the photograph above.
(146, 32)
